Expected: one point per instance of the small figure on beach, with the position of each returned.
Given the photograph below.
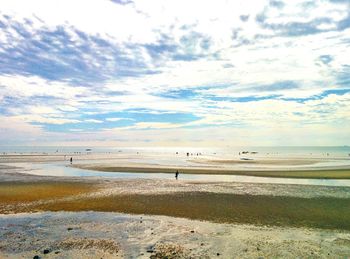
(176, 174)
(71, 160)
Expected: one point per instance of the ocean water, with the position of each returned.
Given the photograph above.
(339, 151)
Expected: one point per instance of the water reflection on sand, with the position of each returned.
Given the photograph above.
(60, 169)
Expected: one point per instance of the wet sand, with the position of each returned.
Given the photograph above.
(12, 192)
(304, 174)
(236, 219)
(263, 166)
(265, 205)
(114, 235)
(270, 161)
(328, 213)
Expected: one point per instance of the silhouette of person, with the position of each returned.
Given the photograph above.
(176, 174)
(71, 160)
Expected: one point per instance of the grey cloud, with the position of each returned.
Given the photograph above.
(244, 18)
(55, 54)
(277, 4)
(326, 59)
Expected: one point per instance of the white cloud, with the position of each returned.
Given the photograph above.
(114, 119)
(67, 108)
(93, 121)
(43, 119)
(152, 125)
(17, 124)
(94, 17)
(29, 86)
(301, 11)
(14, 130)
(117, 119)
(241, 59)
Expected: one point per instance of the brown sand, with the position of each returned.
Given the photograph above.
(14, 192)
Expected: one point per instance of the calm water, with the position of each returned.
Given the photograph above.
(60, 169)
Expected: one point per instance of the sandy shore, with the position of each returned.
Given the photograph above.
(259, 204)
(113, 235)
(225, 219)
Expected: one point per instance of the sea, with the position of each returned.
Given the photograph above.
(338, 151)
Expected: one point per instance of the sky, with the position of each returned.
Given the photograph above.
(175, 72)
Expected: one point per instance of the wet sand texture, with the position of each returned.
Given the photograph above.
(307, 174)
(12, 192)
(322, 212)
(112, 235)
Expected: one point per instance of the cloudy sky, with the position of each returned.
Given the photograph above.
(174, 72)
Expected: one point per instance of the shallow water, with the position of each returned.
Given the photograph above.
(61, 169)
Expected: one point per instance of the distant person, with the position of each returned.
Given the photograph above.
(71, 160)
(176, 174)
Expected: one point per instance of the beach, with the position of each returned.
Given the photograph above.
(115, 235)
(174, 129)
(87, 209)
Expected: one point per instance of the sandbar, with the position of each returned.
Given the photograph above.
(306, 174)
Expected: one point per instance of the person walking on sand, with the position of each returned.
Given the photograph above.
(71, 160)
(176, 174)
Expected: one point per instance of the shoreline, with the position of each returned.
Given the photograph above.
(309, 167)
(302, 173)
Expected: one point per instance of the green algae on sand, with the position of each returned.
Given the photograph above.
(322, 212)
